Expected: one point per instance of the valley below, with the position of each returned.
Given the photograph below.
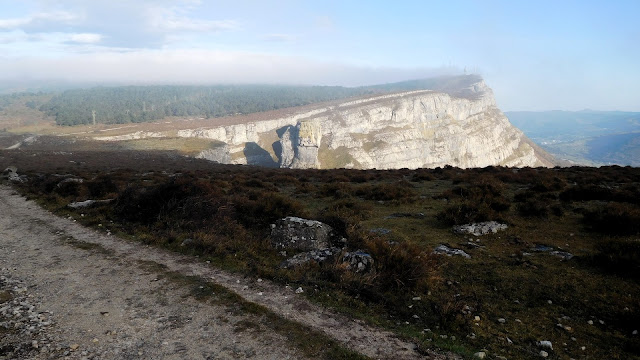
(592, 138)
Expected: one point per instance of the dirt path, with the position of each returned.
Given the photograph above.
(105, 302)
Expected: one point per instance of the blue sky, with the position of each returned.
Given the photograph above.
(536, 55)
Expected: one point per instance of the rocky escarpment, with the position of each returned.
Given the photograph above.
(411, 129)
(300, 145)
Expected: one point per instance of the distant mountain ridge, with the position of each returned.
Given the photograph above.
(584, 137)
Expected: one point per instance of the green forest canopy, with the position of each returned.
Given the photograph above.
(145, 103)
(134, 104)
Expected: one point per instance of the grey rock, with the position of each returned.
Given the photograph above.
(471, 245)
(380, 231)
(307, 144)
(319, 256)
(359, 261)
(562, 254)
(445, 250)
(479, 229)
(11, 174)
(9, 170)
(187, 242)
(88, 203)
(219, 154)
(542, 248)
(70, 180)
(294, 233)
(480, 355)
(545, 344)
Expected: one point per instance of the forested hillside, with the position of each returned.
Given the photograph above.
(144, 103)
(134, 104)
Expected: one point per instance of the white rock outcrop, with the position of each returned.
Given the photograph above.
(411, 129)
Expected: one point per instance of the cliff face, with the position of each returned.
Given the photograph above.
(403, 130)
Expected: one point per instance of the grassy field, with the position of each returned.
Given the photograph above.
(518, 287)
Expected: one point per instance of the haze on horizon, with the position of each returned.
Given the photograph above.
(542, 55)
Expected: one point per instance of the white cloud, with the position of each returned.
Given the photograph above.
(199, 67)
(13, 36)
(175, 19)
(33, 19)
(86, 38)
(180, 23)
(14, 23)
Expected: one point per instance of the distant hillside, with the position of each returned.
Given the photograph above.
(134, 104)
(584, 137)
(131, 104)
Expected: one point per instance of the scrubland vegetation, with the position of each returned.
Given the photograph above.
(512, 292)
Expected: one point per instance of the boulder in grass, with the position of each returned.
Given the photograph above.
(294, 233)
(479, 229)
(445, 250)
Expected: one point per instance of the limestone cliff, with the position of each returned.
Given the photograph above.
(461, 127)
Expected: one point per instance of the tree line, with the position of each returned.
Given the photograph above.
(133, 104)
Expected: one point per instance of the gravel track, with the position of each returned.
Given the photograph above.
(102, 302)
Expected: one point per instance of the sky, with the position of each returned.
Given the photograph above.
(536, 55)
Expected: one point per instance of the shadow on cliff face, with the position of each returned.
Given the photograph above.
(256, 155)
(277, 149)
(277, 145)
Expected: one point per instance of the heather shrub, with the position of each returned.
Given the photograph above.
(546, 184)
(534, 207)
(181, 201)
(337, 190)
(586, 192)
(101, 186)
(400, 191)
(480, 201)
(352, 209)
(401, 267)
(619, 256)
(614, 219)
(68, 188)
(466, 212)
(257, 210)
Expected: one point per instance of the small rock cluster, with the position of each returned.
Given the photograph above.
(319, 256)
(359, 261)
(11, 174)
(445, 250)
(318, 243)
(479, 229)
(22, 325)
(561, 254)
